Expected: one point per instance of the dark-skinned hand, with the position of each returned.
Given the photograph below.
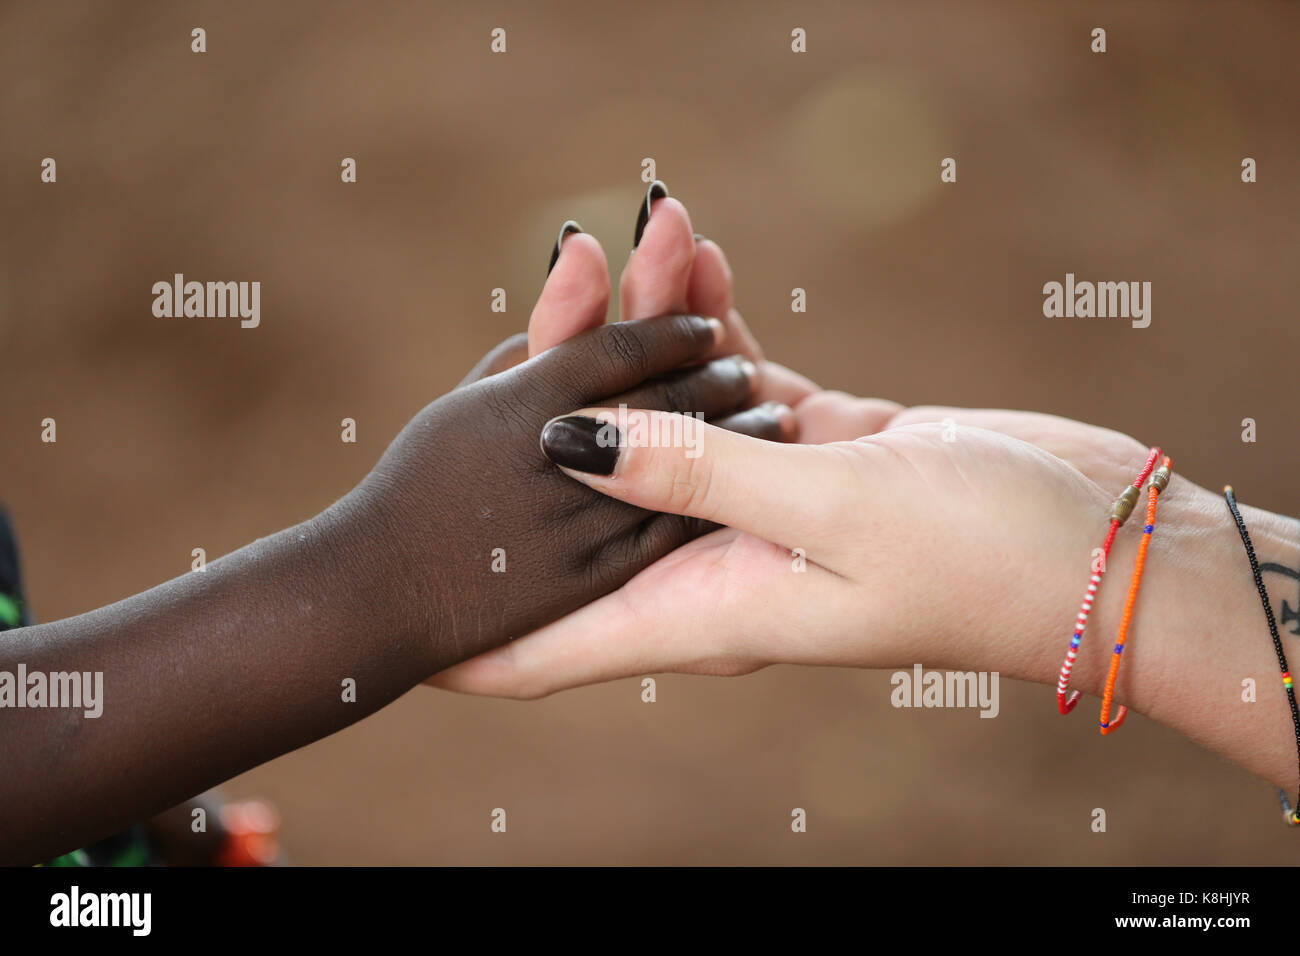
(308, 630)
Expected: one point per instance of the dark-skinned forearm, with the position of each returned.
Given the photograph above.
(204, 677)
(461, 537)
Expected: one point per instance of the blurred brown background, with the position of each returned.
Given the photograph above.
(817, 170)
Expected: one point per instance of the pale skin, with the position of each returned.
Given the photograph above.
(959, 538)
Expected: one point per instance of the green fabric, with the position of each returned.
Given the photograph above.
(75, 858)
(10, 614)
(137, 854)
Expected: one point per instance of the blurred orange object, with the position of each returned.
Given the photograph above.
(252, 834)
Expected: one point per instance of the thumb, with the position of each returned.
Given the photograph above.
(662, 461)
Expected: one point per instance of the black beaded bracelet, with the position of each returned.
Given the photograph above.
(1289, 813)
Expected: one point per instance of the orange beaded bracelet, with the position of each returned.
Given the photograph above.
(1159, 480)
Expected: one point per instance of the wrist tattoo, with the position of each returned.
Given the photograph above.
(1289, 613)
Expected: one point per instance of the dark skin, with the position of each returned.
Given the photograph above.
(213, 673)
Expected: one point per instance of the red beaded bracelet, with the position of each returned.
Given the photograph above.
(1119, 512)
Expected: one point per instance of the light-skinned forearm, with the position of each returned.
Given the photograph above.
(1198, 631)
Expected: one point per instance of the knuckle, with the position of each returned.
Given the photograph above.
(520, 412)
(690, 489)
(678, 393)
(624, 348)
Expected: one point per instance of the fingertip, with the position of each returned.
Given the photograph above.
(575, 296)
(657, 275)
(581, 262)
(667, 213)
(655, 191)
(569, 227)
(785, 419)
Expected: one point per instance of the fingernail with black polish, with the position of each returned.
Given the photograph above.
(582, 444)
(568, 228)
(657, 190)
